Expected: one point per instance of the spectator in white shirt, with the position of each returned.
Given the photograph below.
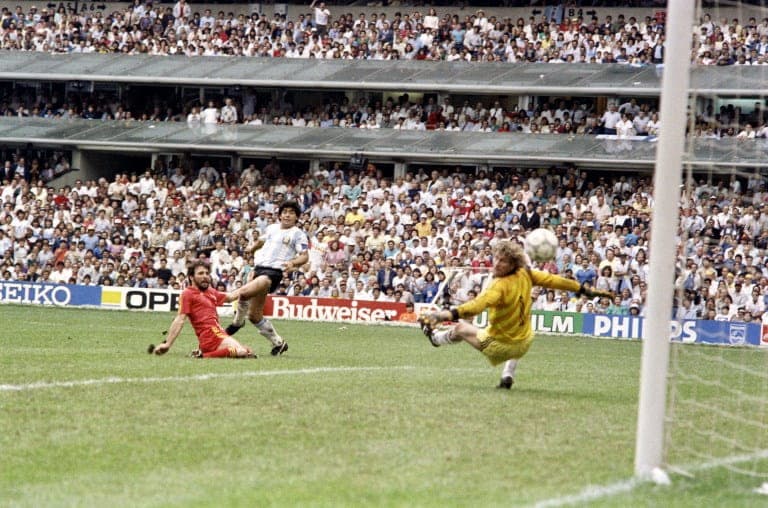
(228, 112)
(609, 120)
(322, 15)
(210, 115)
(624, 127)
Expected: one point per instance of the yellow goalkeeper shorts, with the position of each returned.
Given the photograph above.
(498, 352)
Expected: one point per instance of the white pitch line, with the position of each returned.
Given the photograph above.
(727, 461)
(42, 385)
(590, 493)
(595, 492)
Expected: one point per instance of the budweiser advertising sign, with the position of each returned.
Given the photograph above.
(331, 309)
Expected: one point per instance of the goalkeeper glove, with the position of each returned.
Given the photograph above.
(430, 319)
(592, 292)
(433, 319)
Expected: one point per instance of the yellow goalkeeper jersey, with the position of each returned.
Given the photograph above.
(509, 302)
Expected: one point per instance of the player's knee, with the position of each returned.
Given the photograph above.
(256, 285)
(263, 283)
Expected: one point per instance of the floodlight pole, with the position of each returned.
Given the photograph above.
(667, 177)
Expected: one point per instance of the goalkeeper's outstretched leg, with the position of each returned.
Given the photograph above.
(496, 351)
(508, 297)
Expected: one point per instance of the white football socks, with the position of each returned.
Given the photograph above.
(241, 312)
(509, 369)
(443, 337)
(267, 330)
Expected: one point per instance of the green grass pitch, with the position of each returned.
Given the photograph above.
(351, 415)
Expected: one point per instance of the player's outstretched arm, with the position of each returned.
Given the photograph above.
(552, 281)
(173, 332)
(258, 244)
(440, 316)
(435, 318)
(233, 295)
(296, 262)
(488, 298)
(592, 292)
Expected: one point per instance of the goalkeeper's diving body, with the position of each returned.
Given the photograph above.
(508, 297)
(283, 248)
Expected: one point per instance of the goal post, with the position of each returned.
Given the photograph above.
(649, 450)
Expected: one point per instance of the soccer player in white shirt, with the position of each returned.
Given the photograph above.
(281, 249)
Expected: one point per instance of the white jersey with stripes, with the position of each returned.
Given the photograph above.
(280, 246)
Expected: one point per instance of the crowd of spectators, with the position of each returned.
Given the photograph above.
(391, 239)
(158, 29)
(560, 116)
(630, 119)
(376, 237)
(478, 36)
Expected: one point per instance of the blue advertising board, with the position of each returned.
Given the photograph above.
(731, 333)
(34, 293)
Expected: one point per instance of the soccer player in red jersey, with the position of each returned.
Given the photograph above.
(198, 303)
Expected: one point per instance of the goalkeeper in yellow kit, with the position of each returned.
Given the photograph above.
(509, 333)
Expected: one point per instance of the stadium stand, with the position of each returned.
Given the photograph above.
(374, 235)
(141, 231)
(500, 34)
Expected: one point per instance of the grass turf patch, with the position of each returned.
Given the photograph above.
(351, 415)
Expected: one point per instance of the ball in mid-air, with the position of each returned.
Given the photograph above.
(541, 245)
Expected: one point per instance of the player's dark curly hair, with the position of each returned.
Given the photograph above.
(293, 205)
(193, 266)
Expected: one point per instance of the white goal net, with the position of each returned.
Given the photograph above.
(716, 419)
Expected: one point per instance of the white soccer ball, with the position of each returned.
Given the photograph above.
(541, 245)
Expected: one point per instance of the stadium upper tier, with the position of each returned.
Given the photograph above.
(388, 144)
(416, 76)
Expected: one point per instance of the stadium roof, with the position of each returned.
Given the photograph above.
(403, 75)
(377, 144)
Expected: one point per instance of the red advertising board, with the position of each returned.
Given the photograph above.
(331, 309)
(764, 336)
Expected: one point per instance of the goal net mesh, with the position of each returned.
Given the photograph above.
(717, 403)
